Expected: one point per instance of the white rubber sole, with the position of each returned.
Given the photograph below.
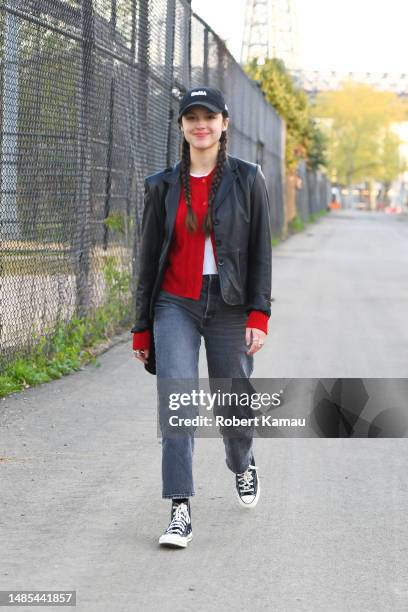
(174, 540)
(255, 500)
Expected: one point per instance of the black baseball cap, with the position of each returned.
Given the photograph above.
(209, 97)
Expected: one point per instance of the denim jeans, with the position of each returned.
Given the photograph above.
(179, 323)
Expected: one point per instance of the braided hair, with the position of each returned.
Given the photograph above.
(191, 218)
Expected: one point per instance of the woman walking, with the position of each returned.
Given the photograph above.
(205, 271)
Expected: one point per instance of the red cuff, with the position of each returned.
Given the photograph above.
(258, 319)
(142, 340)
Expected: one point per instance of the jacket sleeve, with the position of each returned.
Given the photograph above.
(151, 242)
(260, 248)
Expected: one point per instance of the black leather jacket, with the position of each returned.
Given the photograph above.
(241, 217)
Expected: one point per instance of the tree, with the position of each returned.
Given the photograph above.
(392, 164)
(357, 120)
(304, 139)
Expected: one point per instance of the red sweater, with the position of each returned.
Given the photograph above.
(184, 273)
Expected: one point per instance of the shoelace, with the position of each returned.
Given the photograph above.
(179, 521)
(245, 480)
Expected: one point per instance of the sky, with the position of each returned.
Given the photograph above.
(351, 35)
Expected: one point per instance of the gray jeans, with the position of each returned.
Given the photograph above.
(179, 324)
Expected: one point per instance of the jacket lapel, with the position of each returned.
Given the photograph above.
(172, 196)
(172, 176)
(228, 177)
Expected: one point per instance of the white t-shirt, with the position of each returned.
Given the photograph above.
(209, 265)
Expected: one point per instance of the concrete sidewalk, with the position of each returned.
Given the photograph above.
(81, 500)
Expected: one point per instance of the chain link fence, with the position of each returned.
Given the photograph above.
(89, 94)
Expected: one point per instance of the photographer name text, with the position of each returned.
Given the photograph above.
(221, 421)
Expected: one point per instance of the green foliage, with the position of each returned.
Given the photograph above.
(392, 162)
(317, 149)
(315, 216)
(296, 225)
(358, 120)
(117, 306)
(55, 355)
(66, 349)
(304, 140)
(115, 222)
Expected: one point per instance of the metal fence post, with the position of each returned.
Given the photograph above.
(82, 235)
(168, 69)
(108, 182)
(9, 222)
(205, 66)
(142, 100)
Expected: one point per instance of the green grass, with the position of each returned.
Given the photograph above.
(62, 353)
(298, 225)
(68, 347)
(19, 265)
(315, 216)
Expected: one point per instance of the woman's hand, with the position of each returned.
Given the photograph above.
(257, 341)
(142, 345)
(141, 354)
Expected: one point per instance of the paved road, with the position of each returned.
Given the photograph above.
(80, 486)
(341, 299)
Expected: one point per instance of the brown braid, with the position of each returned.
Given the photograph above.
(191, 218)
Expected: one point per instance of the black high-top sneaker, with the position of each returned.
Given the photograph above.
(179, 532)
(248, 487)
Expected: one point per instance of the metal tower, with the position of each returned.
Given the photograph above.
(270, 31)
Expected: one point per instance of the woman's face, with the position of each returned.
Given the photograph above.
(202, 128)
